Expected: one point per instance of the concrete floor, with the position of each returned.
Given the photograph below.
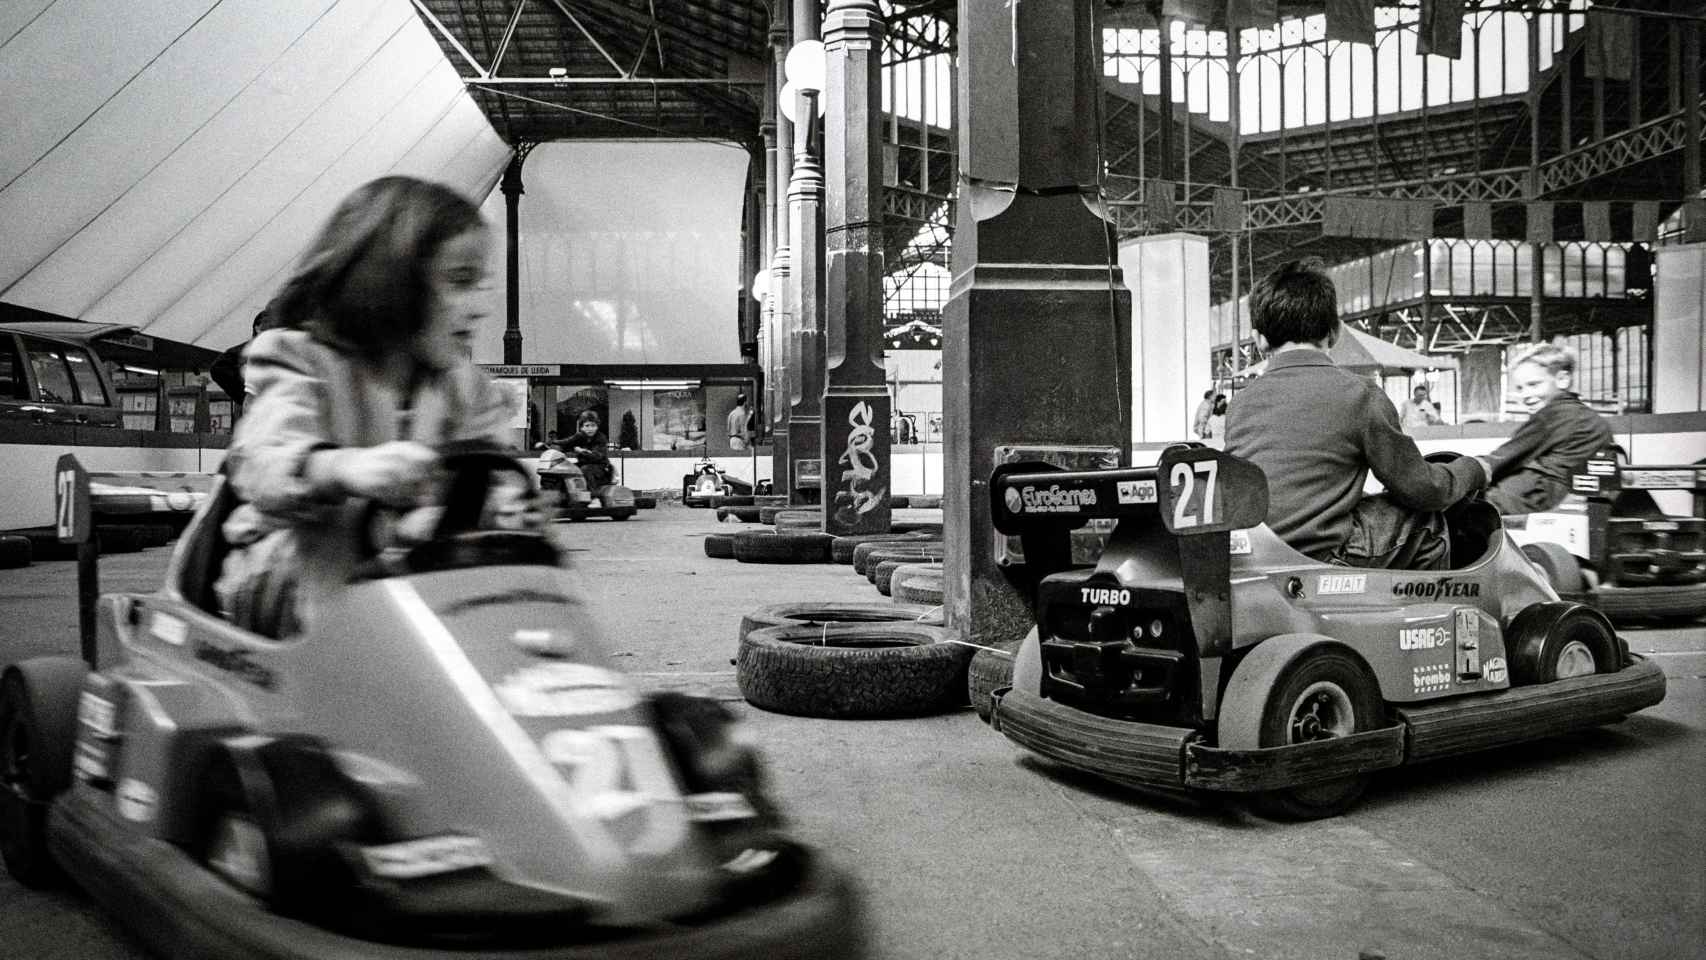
(1588, 845)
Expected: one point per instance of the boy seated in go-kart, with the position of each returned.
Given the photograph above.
(1531, 471)
(589, 446)
(1317, 431)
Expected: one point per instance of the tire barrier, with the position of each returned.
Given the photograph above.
(865, 670)
(888, 570)
(990, 670)
(862, 553)
(792, 546)
(918, 588)
(929, 569)
(15, 552)
(932, 527)
(720, 546)
(841, 551)
(741, 514)
(785, 522)
(906, 553)
(831, 612)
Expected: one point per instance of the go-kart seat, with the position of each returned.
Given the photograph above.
(1472, 526)
(205, 547)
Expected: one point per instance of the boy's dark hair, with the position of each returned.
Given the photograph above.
(1294, 304)
(363, 284)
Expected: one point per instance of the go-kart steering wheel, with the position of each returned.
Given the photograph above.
(457, 540)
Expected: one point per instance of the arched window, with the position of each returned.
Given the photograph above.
(1593, 270)
(1483, 279)
(1504, 269)
(1572, 270)
(1616, 283)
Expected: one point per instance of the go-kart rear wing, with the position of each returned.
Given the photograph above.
(1193, 492)
(1605, 478)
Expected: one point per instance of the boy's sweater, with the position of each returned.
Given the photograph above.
(1556, 442)
(1317, 431)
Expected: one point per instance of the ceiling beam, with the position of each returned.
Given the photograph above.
(624, 12)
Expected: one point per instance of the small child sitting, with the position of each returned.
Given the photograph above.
(1317, 430)
(1531, 471)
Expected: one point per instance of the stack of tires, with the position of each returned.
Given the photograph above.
(849, 660)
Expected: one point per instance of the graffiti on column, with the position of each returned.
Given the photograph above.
(864, 488)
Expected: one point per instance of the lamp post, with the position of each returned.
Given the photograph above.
(804, 68)
(856, 403)
(778, 302)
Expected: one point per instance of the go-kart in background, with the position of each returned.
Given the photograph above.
(1584, 846)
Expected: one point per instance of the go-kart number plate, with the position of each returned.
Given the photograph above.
(1202, 490)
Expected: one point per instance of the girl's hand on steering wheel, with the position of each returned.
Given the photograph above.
(401, 473)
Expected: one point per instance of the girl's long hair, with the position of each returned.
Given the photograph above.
(363, 284)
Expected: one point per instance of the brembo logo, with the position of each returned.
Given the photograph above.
(1436, 589)
(1104, 596)
(1054, 499)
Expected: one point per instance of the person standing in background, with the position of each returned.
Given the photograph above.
(227, 369)
(738, 423)
(1199, 422)
(1419, 411)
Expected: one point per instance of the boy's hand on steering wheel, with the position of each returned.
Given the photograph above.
(400, 473)
(514, 507)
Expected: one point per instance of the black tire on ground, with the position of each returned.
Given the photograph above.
(926, 501)
(1676, 603)
(767, 514)
(864, 670)
(862, 552)
(841, 551)
(899, 501)
(820, 612)
(743, 514)
(38, 733)
(117, 539)
(991, 669)
(623, 514)
(790, 546)
(732, 500)
(1324, 694)
(933, 527)
(156, 534)
(890, 570)
(906, 553)
(812, 514)
(15, 552)
(814, 524)
(720, 546)
(1557, 640)
(645, 502)
(928, 567)
(1562, 569)
(917, 588)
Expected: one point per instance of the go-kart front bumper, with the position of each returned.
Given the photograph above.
(181, 909)
(1167, 758)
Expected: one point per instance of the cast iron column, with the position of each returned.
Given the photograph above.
(1038, 325)
(511, 187)
(766, 399)
(856, 404)
(805, 244)
(780, 300)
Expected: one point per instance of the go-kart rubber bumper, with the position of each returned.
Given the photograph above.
(1636, 602)
(1177, 758)
(181, 909)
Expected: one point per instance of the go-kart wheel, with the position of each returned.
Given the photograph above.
(38, 733)
(991, 669)
(1324, 694)
(1560, 566)
(1558, 640)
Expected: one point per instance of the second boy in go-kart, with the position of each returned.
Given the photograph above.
(1317, 431)
(1531, 471)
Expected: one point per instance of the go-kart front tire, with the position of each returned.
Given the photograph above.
(1562, 569)
(1323, 694)
(38, 733)
(1558, 640)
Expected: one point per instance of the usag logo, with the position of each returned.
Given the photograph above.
(1582, 483)
(1137, 491)
(1432, 678)
(1341, 583)
(1422, 638)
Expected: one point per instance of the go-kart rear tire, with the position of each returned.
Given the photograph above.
(1557, 640)
(15, 552)
(991, 669)
(720, 546)
(1679, 604)
(826, 612)
(1562, 569)
(782, 546)
(857, 671)
(1324, 693)
(38, 734)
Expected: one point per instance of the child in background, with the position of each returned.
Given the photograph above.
(1531, 471)
(1317, 431)
(373, 368)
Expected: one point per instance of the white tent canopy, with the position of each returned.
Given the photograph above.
(164, 170)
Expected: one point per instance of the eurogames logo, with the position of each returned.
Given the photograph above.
(1029, 499)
